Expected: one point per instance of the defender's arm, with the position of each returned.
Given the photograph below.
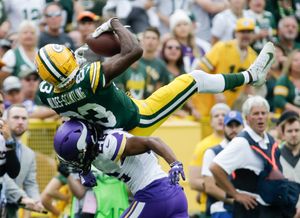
(138, 145)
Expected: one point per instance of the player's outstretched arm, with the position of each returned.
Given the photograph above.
(130, 52)
(137, 145)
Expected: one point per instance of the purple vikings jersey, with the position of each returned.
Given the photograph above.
(136, 171)
(154, 195)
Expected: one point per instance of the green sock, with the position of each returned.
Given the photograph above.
(233, 80)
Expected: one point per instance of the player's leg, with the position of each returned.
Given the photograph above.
(174, 207)
(162, 103)
(134, 208)
(178, 206)
(145, 210)
(255, 75)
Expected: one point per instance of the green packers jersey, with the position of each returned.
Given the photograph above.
(91, 99)
(23, 63)
(157, 75)
(133, 81)
(285, 92)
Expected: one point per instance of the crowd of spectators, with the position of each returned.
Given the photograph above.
(217, 36)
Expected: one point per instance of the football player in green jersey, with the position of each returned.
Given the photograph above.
(86, 91)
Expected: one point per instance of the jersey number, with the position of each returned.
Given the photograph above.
(32, 14)
(44, 87)
(102, 116)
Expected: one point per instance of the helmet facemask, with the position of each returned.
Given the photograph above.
(76, 144)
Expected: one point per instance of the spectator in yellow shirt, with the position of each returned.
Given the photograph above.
(227, 57)
(217, 113)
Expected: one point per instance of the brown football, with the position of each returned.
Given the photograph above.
(107, 44)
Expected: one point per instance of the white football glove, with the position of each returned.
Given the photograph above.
(105, 27)
(79, 54)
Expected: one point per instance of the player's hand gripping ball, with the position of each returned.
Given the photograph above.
(107, 44)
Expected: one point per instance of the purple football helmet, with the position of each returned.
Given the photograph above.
(75, 144)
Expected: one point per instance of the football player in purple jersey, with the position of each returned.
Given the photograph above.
(132, 160)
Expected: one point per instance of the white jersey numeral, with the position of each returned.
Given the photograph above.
(102, 116)
(45, 87)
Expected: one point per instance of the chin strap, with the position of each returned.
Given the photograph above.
(69, 79)
(79, 54)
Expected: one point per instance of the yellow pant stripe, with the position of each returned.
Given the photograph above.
(131, 209)
(156, 108)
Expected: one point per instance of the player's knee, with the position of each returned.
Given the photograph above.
(198, 75)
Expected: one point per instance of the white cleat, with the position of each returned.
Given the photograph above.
(261, 66)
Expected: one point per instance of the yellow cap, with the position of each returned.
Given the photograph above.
(244, 24)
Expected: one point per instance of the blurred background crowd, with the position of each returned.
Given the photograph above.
(177, 36)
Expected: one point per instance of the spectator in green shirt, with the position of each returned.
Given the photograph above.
(287, 88)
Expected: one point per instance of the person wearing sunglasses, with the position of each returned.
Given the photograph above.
(172, 55)
(54, 32)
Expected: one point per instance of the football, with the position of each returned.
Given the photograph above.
(107, 44)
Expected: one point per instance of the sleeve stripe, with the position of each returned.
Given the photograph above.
(119, 150)
(207, 63)
(103, 79)
(94, 75)
(91, 74)
(97, 78)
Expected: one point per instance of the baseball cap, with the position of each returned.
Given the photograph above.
(286, 115)
(25, 73)
(219, 106)
(87, 15)
(233, 116)
(11, 83)
(5, 43)
(245, 24)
